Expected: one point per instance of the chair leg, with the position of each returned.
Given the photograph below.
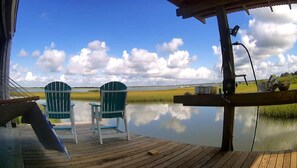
(118, 123)
(73, 130)
(93, 113)
(99, 130)
(126, 128)
(73, 127)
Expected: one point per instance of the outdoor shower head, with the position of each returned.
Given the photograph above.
(234, 31)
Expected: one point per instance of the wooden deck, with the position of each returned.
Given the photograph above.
(121, 153)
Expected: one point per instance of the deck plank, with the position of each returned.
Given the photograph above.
(280, 159)
(118, 152)
(168, 156)
(207, 157)
(287, 158)
(195, 159)
(141, 156)
(265, 160)
(293, 159)
(169, 159)
(257, 160)
(182, 158)
(148, 159)
(223, 159)
(240, 161)
(272, 160)
(230, 162)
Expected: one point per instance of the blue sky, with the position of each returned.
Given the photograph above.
(88, 43)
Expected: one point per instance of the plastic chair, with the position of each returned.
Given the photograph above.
(112, 105)
(58, 105)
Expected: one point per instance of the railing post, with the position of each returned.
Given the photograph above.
(228, 124)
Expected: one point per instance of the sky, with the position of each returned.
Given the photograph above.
(143, 43)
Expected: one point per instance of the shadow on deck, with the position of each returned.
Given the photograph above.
(122, 153)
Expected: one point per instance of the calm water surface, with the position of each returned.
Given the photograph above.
(203, 125)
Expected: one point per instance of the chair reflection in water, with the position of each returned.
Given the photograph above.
(112, 105)
(58, 105)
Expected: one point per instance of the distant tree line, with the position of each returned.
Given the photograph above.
(288, 77)
(289, 74)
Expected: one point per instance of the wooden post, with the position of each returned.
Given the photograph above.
(228, 124)
(229, 77)
(227, 52)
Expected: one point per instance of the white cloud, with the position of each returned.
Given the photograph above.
(22, 53)
(269, 35)
(282, 60)
(51, 60)
(137, 67)
(175, 125)
(17, 72)
(90, 60)
(36, 53)
(147, 67)
(172, 46)
(30, 77)
(25, 77)
(292, 59)
(179, 59)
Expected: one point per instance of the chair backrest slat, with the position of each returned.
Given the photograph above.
(113, 99)
(58, 99)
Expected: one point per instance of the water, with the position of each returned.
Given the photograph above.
(132, 88)
(202, 125)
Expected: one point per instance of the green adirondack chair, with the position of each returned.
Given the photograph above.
(112, 105)
(58, 105)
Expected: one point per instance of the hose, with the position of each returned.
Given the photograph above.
(257, 117)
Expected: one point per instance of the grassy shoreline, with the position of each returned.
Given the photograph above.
(133, 96)
(276, 111)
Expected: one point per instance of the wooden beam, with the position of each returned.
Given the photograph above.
(241, 99)
(205, 9)
(227, 51)
(270, 5)
(289, 3)
(201, 19)
(191, 9)
(246, 9)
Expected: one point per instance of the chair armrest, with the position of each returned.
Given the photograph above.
(94, 104)
(43, 104)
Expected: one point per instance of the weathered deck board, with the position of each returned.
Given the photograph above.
(293, 159)
(118, 152)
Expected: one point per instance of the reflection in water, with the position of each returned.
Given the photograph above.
(274, 134)
(202, 125)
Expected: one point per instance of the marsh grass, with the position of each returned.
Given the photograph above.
(287, 111)
(279, 111)
(276, 111)
(133, 96)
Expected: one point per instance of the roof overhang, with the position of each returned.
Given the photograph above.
(8, 17)
(201, 9)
